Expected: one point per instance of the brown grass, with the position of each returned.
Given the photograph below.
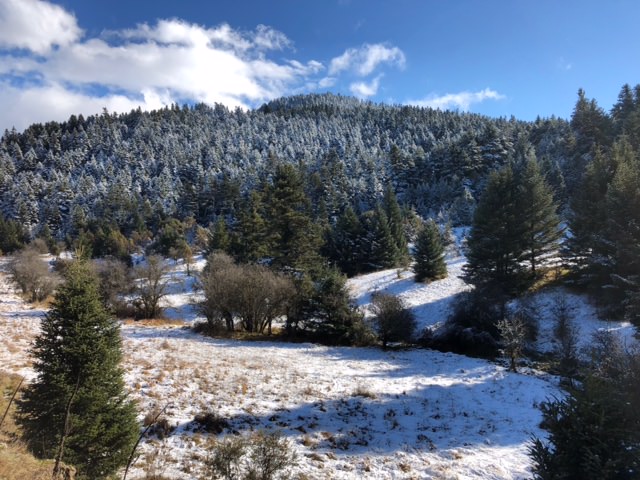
(155, 322)
(16, 463)
(549, 277)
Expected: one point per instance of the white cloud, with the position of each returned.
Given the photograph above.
(23, 106)
(460, 101)
(270, 39)
(147, 66)
(59, 72)
(364, 60)
(364, 89)
(36, 25)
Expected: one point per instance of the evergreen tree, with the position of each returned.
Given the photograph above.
(594, 432)
(587, 214)
(622, 233)
(540, 229)
(377, 247)
(344, 242)
(429, 254)
(295, 237)
(219, 238)
(249, 241)
(78, 399)
(495, 243)
(396, 225)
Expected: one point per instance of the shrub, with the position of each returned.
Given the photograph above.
(471, 328)
(32, 275)
(210, 422)
(392, 320)
(261, 456)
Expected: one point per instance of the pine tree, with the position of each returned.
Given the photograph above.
(396, 225)
(219, 239)
(495, 243)
(78, 399)
(429, 254)
(250, 242)
(344, 241)
(541, 232)
(587, 215)
(296, 239)
(622, 233)
(378, 248)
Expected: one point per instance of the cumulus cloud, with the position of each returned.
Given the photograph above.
(364, 89)
(24, 106)
(457, 101)
(49, 69)
(365, 59)
(36, 25)
(148, 66)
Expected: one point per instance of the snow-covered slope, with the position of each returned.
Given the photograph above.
(350, 413)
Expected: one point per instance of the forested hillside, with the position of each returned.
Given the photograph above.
(134, 169)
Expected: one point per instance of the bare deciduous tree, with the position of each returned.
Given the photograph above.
(513, 332)
(151, 286)
(32, 275)
(252, 293)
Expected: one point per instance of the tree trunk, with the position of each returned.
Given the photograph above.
(65, 433)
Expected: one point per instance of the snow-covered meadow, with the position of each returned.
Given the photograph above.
(349, 413)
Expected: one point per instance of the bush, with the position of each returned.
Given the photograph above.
(472, 327)
(262, 456)
(594, 432)
(393, 321)
(32, 275)
(210, 422)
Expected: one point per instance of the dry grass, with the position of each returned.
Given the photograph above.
(551, 276)
(155, 322)
(16, 463)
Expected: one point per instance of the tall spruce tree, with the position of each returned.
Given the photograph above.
(495, 244)
(296, 239)
(343, 243)
(396, 225)
(515, 223)
(622, 233)
(378, 246)
(587, 213)
(429, 254)
(540, 228)
(78, 400)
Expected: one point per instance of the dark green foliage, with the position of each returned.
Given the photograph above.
(343, 246)
(377, 246)
(393, 321)
(515, 223)
(12, 235)
(331, 314)
(396, 226)
(540, 223)
(171, 237)
(591, 124)
(587, 216)
(294, 238)
(220, 239)
(594, 432)
(78, 356)
(495, 244)
(429, 254)
(605, 233)
(250, 240)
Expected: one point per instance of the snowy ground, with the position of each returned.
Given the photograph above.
(350, 413)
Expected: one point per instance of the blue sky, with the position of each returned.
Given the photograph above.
(494, 57)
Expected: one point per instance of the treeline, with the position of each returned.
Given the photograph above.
(131, 172)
